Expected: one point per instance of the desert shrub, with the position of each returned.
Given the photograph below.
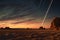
(41, 27)
(7, 28)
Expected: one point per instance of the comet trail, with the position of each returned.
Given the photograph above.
(46, 13)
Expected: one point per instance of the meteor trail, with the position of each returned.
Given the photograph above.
(47, 12)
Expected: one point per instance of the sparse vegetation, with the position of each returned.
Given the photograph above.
(41, 28)
(7, 28)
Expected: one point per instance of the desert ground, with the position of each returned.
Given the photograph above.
(29, 34)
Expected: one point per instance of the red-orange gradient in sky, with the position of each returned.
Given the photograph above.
(27, 24)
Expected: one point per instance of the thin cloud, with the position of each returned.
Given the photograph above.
(23, 21)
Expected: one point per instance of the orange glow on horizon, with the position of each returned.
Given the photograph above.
(28, 24)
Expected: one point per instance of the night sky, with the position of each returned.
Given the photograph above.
(27, 13)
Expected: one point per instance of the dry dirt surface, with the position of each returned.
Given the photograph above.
(29, 34)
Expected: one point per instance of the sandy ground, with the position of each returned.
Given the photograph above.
(29, 34)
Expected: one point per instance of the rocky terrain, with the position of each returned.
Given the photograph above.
(29, 34)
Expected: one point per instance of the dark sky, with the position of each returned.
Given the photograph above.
(28, 9)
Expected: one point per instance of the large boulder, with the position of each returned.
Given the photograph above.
(55, 24)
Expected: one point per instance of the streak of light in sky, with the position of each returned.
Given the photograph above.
(46, 13)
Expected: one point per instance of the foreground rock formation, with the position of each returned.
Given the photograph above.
(55, 24)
